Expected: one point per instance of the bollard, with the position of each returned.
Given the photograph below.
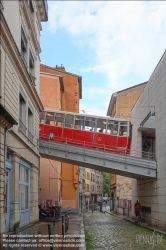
(54, 218)
(92, 209)
(66, 219)
(63, 226)
(100, 206)
(50, 237)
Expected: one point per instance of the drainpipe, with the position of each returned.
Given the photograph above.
(5, 151)
(5, 157)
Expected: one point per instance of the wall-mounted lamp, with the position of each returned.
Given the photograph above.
(51, 134)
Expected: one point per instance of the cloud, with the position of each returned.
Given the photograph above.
(125, 37)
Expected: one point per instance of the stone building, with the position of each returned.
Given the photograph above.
(20, 26)
(66, 100)
(149, 119)
(96, 183)
(120, 106)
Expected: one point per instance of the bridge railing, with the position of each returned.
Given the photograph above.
(101, 147)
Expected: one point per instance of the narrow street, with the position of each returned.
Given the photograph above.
(107, 231)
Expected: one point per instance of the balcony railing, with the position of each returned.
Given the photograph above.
(24, 61)
(22, 126)
(30, 136)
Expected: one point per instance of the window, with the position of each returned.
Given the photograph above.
(112, 127)
(30, 124)
(50, 118)
(69, 121)
(23, 46)
(90, 123)
(24, 187)
(31, 5)
(1, 6)
(31, 62)
(42, 117)
(101, 125)
(22, 112)
(79, 122)
(59, 119)
(123, 129)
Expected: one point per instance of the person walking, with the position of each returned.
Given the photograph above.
(137, 208)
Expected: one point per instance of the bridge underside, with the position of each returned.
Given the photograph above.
(128, 166)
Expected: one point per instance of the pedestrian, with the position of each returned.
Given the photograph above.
(137, 208)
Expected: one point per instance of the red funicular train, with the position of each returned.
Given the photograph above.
(89, 131)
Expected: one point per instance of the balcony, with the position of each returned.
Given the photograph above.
(24, 61)
(22, 126)
(30, 136)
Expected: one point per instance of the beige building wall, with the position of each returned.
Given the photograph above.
(96, 185)
(19, 107)
(120, 106)
(87, 185)
(151, 193)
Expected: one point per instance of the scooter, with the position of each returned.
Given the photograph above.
(47, 213)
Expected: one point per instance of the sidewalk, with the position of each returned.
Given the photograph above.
(36, 237)
(141, 223)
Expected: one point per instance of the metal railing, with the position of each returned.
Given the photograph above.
(101, 147)
(22, 126)
(24, 61)
(30, 136)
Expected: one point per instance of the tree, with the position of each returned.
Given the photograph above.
(106, 184)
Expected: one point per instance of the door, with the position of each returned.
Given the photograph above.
(7, 199)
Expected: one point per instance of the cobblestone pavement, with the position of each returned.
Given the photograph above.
(107, 232)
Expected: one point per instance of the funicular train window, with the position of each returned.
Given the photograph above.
(69, 119)
(101, 125)
(50, 118)
(90, 123)
(123, 129)
(42, 117)
(59, 119)
(79, 122)
(112, 127)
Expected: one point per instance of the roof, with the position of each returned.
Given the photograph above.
(65, 72)
(114, 96)
(85, 115)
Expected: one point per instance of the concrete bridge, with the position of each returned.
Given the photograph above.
(125, 165)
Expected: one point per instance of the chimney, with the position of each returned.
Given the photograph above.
(61, 68)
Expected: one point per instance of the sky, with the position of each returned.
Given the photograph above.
(113, 45)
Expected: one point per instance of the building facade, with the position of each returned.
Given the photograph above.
(51, 90)
(120, 106)
(68, 100)
(87, 185)
(20, 26)
(96, 185)
(149, 118)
